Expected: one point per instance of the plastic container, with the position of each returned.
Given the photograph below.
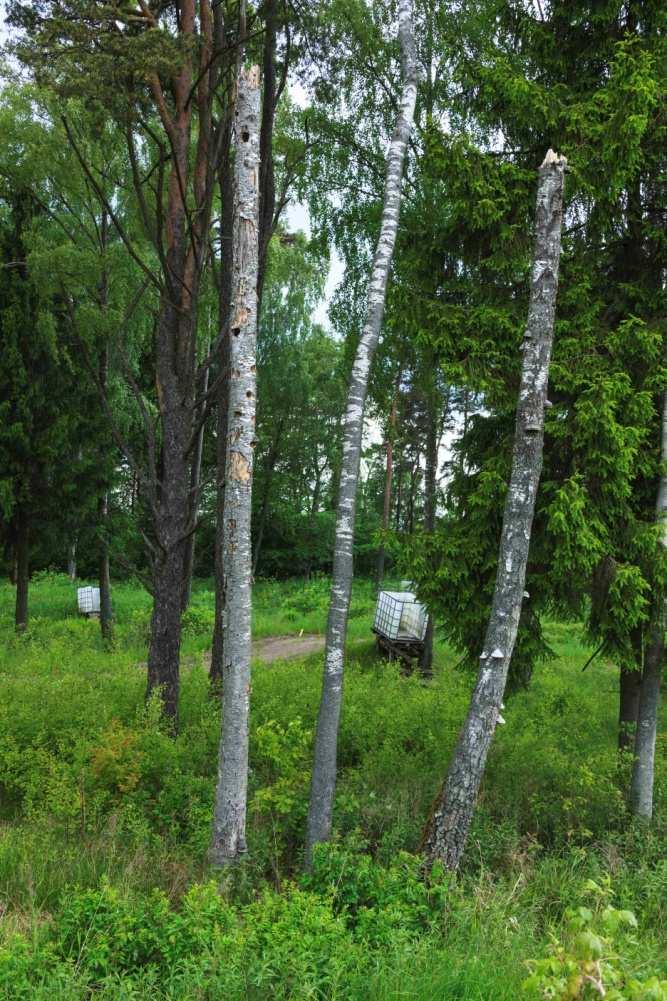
(88, 600)
(399, 616)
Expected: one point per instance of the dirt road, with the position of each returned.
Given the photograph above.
(271, 648)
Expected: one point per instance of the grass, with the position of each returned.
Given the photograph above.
(101, 810)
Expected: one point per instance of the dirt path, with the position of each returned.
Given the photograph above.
(271, 648)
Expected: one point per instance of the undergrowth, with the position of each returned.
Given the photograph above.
(105, 819)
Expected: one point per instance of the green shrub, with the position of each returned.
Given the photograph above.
(591, 960)
(378, 902)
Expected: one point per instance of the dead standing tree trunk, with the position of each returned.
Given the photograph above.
(326, 739)
(228, 838)
(448, 827)
(641, 785)
(268, 220)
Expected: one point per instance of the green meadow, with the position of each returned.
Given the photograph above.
(105, 891)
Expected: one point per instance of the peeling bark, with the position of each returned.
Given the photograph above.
(641, 784)
(447, 829)
(228, 839)
(326, 739)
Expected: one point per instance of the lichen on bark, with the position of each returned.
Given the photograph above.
(447, 828)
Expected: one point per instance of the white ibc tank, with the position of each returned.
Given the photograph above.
(399, 616)
(88, 599)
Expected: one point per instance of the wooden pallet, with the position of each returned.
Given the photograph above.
(405, 649)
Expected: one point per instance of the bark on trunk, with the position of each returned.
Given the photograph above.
(388, 474)
(641, 785)
(165, 642)
(326, 739)
(628, 707)
(182, 241)
(447, 830)
(195, 486)
(22, 569)
(267, 224)
(225, 300)
(171, 524)
(228, 838)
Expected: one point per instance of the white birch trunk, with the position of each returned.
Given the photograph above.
(447, 831)
(326, 739)
(641, 784)
(228, 839)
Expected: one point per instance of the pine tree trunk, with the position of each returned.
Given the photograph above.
(447, 830)
(170, 522)
(165, 640)
(228, 839)
(22, 569)
(641, 785)
(195, 486)
(628, 707)
(183, 243)
(326, 739)
(225, 299)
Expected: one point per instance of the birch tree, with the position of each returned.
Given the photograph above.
(326, 738)
(641, 786)
(228, 839)
(448, 827)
